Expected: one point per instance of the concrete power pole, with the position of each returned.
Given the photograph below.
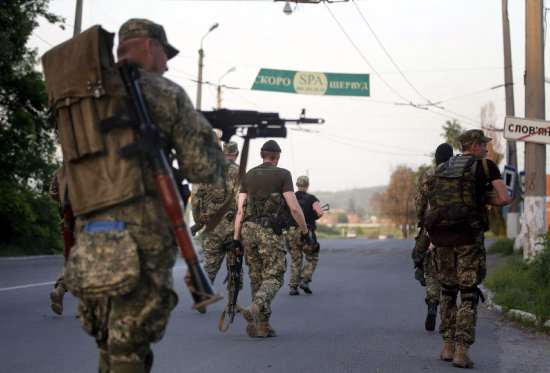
(512, 218)
(534, 209)
(78, 18)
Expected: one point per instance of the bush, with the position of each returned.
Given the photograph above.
(504, 246)
(324, 231)
(523, 285)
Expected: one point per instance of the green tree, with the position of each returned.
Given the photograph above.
(398, 199)
(451, 132)
(28, 217)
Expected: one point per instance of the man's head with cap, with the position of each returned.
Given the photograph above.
(271, 151)
(473, 136)
(137, 30)
(302, 182)
(231, 148)
(443, 153)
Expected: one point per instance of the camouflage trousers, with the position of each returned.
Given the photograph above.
(296, 249)
(214, 247)
(61, 279)
(266, 260)
(433, 288)
(124, 326)
(460, 270)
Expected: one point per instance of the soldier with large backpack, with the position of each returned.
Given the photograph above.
(456, 222)
(120, 265)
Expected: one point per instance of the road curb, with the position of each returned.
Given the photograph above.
(488, 294)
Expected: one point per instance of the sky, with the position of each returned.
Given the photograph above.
(438, 51)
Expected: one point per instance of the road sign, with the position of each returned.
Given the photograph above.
(528, 130)
(312, 83)
(522, 182)
(509, 175)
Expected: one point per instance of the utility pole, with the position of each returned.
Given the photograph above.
(512, 218)
(201, 65)
(534, 209)
(78, 18)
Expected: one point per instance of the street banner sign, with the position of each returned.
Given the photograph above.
(528, 130)
(509, 176)
(312, 83)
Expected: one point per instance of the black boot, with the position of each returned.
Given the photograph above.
(431, 317)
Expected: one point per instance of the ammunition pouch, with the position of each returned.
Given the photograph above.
(104, 261)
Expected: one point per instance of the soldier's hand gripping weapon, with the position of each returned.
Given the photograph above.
(149, 144)
(234, 278)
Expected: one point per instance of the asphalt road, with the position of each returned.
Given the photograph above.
(366, 314)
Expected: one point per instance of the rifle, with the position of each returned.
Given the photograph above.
(149, 144)
(234, 277)
(253, 124)
(422, 244)
(325, 207)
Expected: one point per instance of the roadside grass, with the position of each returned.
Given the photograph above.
(522, 285)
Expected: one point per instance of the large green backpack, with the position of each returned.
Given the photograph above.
(84, 88)
(454, 215)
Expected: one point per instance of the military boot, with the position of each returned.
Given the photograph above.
(250, 314)
(461, 358)
(294, 290)
(431, 317)
(265, 330)
(448, 349)
(57, 298)
(304, 285)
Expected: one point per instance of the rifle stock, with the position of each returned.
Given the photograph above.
(200, 287)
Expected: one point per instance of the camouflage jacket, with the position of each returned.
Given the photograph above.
(187, 132)
(421, 195)
(207, 198)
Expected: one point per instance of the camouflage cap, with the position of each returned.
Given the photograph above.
(469, 137)
(143, 28)
(230, 148)
(271, 146)
(302, 181)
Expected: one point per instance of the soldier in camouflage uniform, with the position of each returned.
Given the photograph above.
(125, 326)
(459, 187)
(312, 211)
(260, 205)
(207, 200)
(423, 252)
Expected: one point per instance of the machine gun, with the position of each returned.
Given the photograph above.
(251, 124)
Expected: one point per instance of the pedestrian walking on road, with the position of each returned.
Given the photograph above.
(456, 222)
(258, 221)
